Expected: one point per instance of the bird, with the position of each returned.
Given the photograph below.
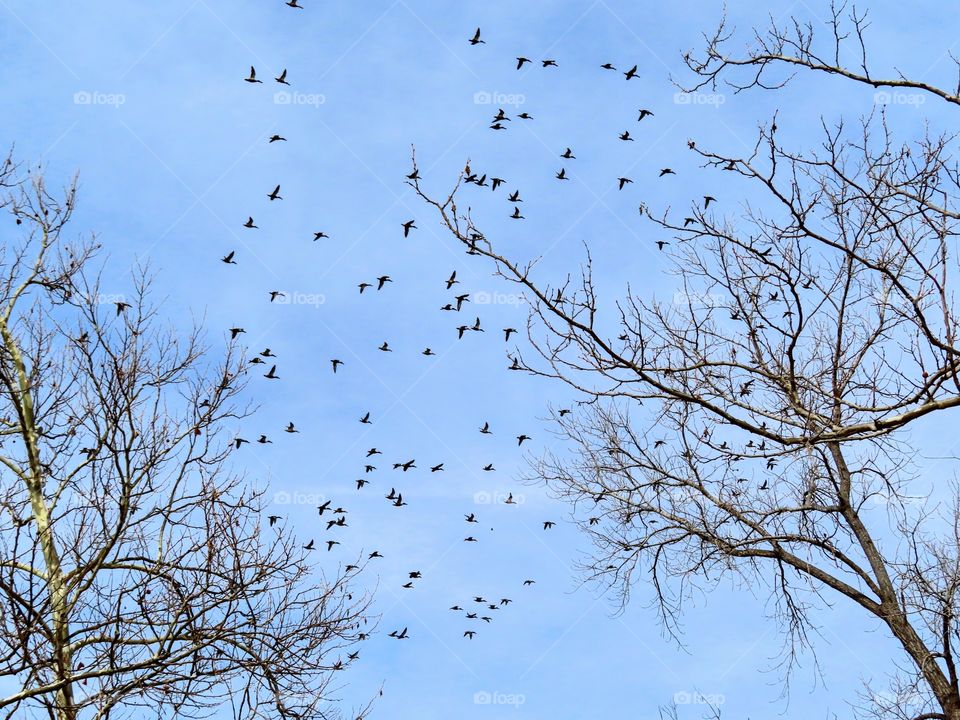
(401, 635)
(562, 175)
(264, 440)
(408, 585)
(408, 226)
(275, 195)
(437, 468)
(385, 347)
(661, 243)
(568, 154)
(608, 66)
(475, 40)
(363, 286)
(471, 518)
(666, 171)
(282, 78)
(291, 428)
(644, 113)
(470, 538)
(308, 546)
(488, 468)
(516, 214)
(253, 76)
(549, 63)
(228, 258)
(331, 543)
(521, 61)
(236, 331)
(522, 438)
(623, 181)
(272, 373)
(707, 199)
(249, 223)
(382, 280)
(547, 524)
(525, 116)
(428, 352)
(273, 519)
(469, 634)
(294, 4)
(361, 482)
(366, 419)
(335, 363)
(319, 236)
(274, 294)
(452, 280)
(237, 442)
(626, 136)
(529, 582)
(374, 554)
(486, 429)
(461, 299)
(276, 138)
(510, 500)
(515, 197)
(631, 73)
(507, 332)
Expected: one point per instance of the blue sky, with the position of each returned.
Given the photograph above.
(146, 101)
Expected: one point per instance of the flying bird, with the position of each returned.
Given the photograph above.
(475, 40)
(253, 76)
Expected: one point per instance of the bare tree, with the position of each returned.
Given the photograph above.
(755, 427)
(135, 577)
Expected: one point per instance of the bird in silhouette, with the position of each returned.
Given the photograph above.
(276, 138)
(275, 195)
(363, 286)
(507, 332)
(623, 181)
(399, 501)
(401, 635)
(510, 500)
(408, 585)
(366, 419)
(469, 634)
(631, 73)
(488, 468)
(361, 482)
(249, 223)
(373, 451)
(562, 175)
(529, 582)
(264, 440)
(308, 546)
(452, 280)
(385, 347)
(253, 76)
(626, 136)
(291, 428)
(461, 299)
(374, 554)
(666, 171)
(608, 66)
(319, 236)
(475, 40)
(522, 438)
(331, 543)
(282, 78)
(470, 538)
(272, 373)
(515, 197)
(521, 61)
(547, 524)
(707, 199)
(274, 294)
(234, 331)
(525, 116)
(408, 226)
(643, 114)
(335, 363)
(428, 352)
(437, 468)
(237, 442)
(228, 258)
(294, 4)
(549, 63)
(471, 518)
(273, 519)
(486, 429)
(661, 243)
(383, 280)
(516, 214)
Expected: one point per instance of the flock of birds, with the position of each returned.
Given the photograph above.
(478, 610)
